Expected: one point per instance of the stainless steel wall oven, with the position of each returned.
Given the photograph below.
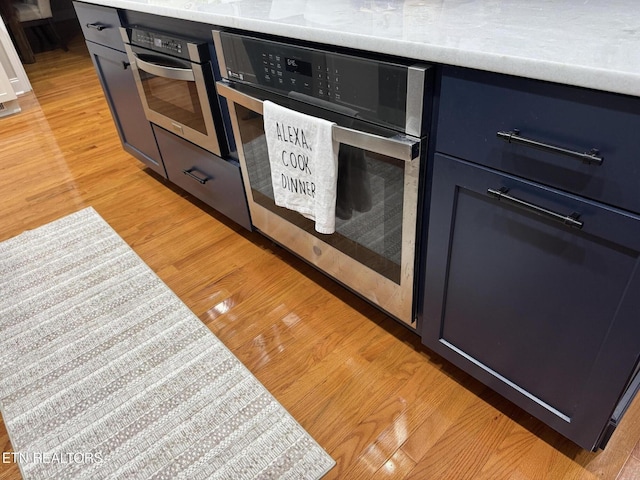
(381, 113)
(175, 81)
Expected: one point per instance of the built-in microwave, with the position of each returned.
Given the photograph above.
(175, 81)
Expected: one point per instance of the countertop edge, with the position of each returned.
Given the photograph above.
(606, 80)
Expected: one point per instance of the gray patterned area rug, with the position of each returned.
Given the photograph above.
(105, 373)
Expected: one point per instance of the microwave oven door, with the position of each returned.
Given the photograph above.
(174, 95)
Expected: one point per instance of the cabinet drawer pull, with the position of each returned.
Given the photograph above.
(569, 220)
(97, 26)
(592, 158)
(189, 173)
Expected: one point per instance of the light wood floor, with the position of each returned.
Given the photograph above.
(381, 404)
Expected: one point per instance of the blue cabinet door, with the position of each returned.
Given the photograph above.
(121, 93)
(535, 292)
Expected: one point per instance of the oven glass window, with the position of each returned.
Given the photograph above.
(175, 99)
(369, 205)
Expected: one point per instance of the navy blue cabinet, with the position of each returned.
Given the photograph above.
(214, 180)
(100, 24)
(531, 288)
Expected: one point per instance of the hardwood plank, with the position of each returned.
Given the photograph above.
(631, 470)
(396, 467)
(381, 404)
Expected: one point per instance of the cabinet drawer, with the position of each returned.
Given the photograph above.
(475, 106)
(206, 176)
(100, 24)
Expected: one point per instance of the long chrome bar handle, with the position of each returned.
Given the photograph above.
(513, 136)
(569, 220)
(402, 147)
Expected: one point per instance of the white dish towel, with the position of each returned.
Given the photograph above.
(304, 164)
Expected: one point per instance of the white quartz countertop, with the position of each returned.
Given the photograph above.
(589, 43)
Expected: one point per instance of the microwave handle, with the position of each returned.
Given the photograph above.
(402, 147)
(172, 73)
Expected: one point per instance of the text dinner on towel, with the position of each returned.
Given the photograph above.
(304, 164)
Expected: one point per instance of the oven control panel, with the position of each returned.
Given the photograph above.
(372, 88)
(167, 44)
(320, 74)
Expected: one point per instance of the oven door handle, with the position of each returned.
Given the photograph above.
(173, 73)
(402, 147)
